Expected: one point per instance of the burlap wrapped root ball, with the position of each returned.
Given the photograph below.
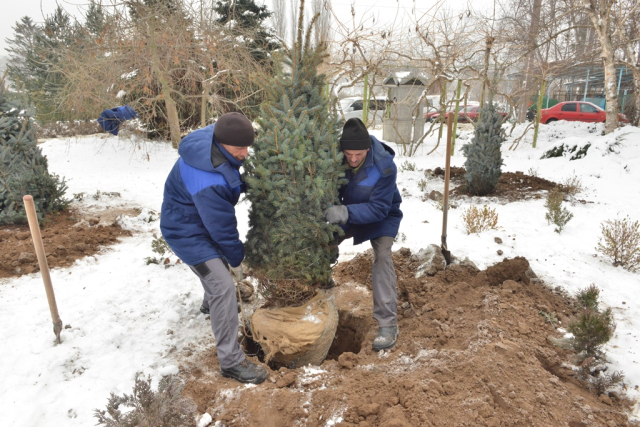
(297, 336)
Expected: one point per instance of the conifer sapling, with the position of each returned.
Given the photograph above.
(484, 159)
(292, 177)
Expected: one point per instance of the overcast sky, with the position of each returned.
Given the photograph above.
(13, 10)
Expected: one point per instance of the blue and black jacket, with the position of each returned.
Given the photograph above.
(198, 211)
(372, 196)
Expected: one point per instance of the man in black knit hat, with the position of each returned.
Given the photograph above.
(198, 222)
(370, 210)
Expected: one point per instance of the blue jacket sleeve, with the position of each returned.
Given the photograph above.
(219, 217)
(379, 204)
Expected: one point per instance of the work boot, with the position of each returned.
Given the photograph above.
(246, 372)
(204, 309)
(386, 339)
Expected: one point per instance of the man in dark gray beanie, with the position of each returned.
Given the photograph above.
(198, 222)
(370, 210)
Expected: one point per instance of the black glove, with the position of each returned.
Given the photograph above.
(337, 214)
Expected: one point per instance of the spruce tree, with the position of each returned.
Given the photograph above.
(293, 176)
(24, 66)
(248, 21)
(484, 158)
(23, 168)
(244, 23)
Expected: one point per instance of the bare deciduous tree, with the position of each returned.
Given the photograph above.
(172, 72)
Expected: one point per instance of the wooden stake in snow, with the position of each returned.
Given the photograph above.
(42, 261)
(445, 202)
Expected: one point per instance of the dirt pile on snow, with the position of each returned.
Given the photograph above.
(511, 186)
(67, 236)
(473, 350)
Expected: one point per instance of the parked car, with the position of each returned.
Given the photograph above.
(468, 113)
(576, 111)
(429, 113)
(353, 106)
(434, 113)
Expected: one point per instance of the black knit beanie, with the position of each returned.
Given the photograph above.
(355, 135)
(234, 129)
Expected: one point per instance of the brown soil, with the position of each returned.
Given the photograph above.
(473, 351)
(67, 236)
(512, 186)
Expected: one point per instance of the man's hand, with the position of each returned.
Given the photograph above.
(337, 214)
(236, 273)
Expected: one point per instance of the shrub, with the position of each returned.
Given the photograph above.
(23, 168)
(477, 220)
(598, 379)
(159, 246)
(591, 330)
(422, 185)
(549, 317)
(146, 408)
(484, 158)
(588, 297)
(563, 150)
(69, 128)
(572, 186)
(620, 241)
(556, 214)
(408, 166)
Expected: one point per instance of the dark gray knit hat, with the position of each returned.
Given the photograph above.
(355, 135)
(234, 129)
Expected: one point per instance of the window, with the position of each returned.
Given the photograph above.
(357, 106)
(569, 107)
(378, 104)
(586, 108)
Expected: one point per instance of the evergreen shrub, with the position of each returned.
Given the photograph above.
(556, 214)
(292, 177)
(592, 328)
(24, 169)
(484, 158)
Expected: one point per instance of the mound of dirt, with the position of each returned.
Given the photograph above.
(474, 350)
(67, 236)
(512, 186)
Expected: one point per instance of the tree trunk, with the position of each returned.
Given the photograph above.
(635, 120)
(170, 104)
(600, 13)
(534, 29)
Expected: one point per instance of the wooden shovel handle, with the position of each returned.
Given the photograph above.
(447, 177)
(42, 259)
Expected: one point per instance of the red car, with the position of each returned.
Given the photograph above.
(576, 111)
(433, 113)
(469, 114)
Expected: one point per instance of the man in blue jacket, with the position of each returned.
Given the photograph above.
(370, 210)
(199, 223)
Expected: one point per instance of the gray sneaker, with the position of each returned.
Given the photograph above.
(386, 339)
(246, 372)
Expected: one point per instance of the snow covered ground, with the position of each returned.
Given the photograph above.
(123, 316)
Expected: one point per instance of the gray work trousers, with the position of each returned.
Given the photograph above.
(220, 297)
(383, 281)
